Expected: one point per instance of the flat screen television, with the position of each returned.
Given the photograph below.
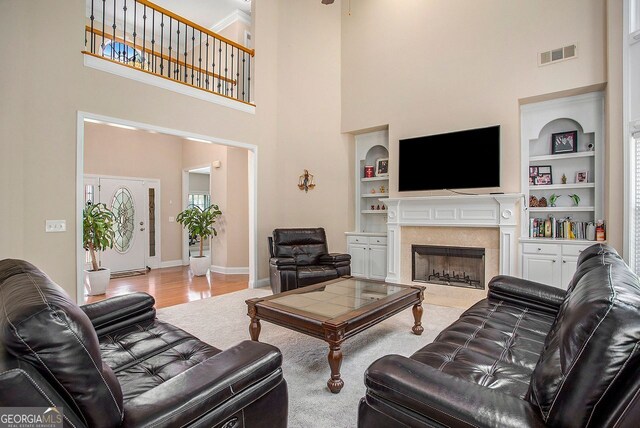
(467, 159)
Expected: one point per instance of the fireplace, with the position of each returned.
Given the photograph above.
(454, 266)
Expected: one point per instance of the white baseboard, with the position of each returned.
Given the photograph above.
(230, 270)
(171, 263)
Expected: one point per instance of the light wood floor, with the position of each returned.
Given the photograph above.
(172, 286)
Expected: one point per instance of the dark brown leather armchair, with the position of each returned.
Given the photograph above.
(113, 364)
(300, 257)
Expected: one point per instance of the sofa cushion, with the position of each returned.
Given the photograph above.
(148, 354)
(587, 371)
(308, 275)
(42, 326)
(494, 344)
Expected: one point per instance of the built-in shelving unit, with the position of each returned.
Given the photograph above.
(368, 243)
(547, 258)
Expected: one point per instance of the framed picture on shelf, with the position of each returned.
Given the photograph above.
(544, 176)
(564, 142)
(582, 177)
(533, 173)
(382, 167)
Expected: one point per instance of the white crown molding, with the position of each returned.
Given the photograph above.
(236, 15)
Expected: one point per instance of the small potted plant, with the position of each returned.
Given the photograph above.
(199, 223)
(97, 235)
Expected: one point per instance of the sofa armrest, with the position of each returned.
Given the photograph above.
(283, 263)
(404, 383)
(117, 312)
(528, 293)
(210, 391)
(335, 258)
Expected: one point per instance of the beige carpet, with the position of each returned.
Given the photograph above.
(223, 322)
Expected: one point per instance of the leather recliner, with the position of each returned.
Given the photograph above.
(299, 257)
(113, 364)
(530, 355)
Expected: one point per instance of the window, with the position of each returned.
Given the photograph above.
(123, 53)
(201, 200)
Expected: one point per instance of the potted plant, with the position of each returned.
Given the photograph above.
(199, 222)
(97, 235)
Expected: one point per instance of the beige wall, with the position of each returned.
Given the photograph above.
(129, 153)
(229, 188)
(426, 67)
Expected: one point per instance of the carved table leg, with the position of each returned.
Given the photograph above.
(417, 316)
(335, 383)
(254, 329)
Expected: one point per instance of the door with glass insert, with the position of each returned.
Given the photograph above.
(127, 200)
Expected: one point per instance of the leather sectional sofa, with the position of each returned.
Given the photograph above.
(113, 364)
(529, 355)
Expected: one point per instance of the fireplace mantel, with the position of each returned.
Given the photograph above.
(454, 211)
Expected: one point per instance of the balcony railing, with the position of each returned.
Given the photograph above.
(145, 36)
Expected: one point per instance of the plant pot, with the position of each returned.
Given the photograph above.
(199, 265)
(96, 281)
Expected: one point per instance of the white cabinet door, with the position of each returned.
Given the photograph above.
(569, 266)
(359, 259)
(378, 262)
(541, 268)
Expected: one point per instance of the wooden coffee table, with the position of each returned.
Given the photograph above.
(336, 310)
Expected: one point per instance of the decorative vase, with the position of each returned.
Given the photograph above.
(199, 265)
(96, 281)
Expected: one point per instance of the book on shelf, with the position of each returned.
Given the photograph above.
(564, 228)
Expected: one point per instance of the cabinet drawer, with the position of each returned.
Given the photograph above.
(378, 240)
(573, 250)
(358, 240)
(533, 248)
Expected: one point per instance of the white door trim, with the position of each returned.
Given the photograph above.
(253, 187)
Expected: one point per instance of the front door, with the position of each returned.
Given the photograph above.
(127, 199)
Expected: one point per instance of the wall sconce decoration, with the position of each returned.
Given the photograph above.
(305, 182)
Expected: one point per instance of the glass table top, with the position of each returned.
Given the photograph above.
(337, 298)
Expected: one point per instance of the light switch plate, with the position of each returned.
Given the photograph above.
(55, 226)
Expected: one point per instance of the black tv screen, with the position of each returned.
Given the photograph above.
(457, 160)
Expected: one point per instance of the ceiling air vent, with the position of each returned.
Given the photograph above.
(559, 54)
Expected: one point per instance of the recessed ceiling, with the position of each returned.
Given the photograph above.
(205, 12)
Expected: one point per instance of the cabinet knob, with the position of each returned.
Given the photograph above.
(554, 261)
(539, 249)
(564, 261)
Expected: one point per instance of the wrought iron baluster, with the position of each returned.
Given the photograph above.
(193, 48)
(238, 75)
(226, 68)
(144, 36)
(232, 71)
(113, 40)
(161, 44)
(200, 63)
(213, 66)
(153, 40)
(249, 81)
(92, 44)
(206, 64)
(244, 75)
(186, 32)
(219, 66)
(104, 5)
(169, 73)
(178, 66)
(124, 33)
(135, 26)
